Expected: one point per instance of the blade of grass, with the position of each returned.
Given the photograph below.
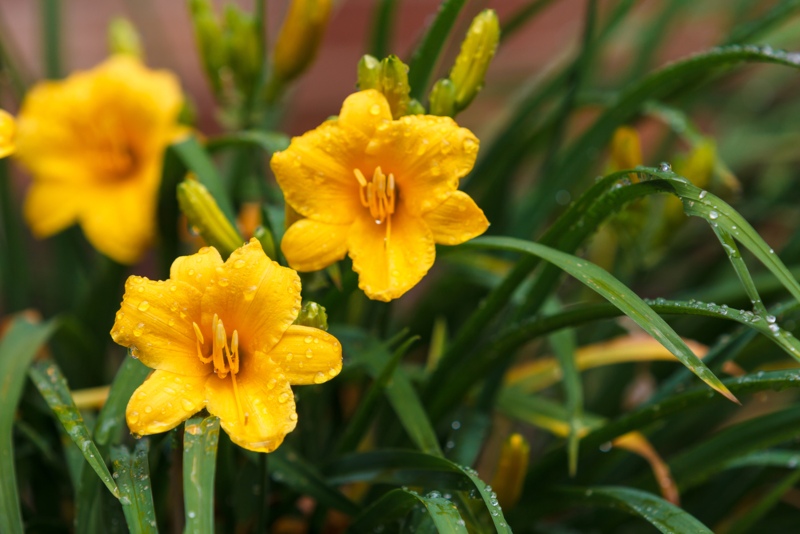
(664, 83)
(517, 20)
(51, 32)
(196, 159)
(52, 385)
(287, 467)
(200, 439)
(397, 503)
(269, 142)
(416, 469)
(18, 346)
(618, 294)
(132, 472)
(362, 418)
(424, 58)
(752, 30)
(663, 515)
(382, 29)
(745, 522)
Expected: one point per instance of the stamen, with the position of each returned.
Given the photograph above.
(200, 342)
(379, 195)
(220, 344)
(232, 355)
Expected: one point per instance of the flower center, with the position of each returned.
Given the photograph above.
(225, 357)
(378, 194)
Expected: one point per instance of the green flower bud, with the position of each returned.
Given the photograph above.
(477, 51)
(394, 85)
(415, 108)
(243, 48)
(203, 213)
(369, 73)
(312, 315)
(267, 241)
(209, 38)
(123, 38)
(443, 98)
(299, 37)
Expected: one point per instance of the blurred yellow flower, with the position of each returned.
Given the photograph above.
(94, 144)
(383, 190)
(220, 336)
(7, 129)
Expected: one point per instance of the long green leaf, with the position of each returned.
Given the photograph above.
(424, 58)
(362, 418)
(744, 523)
(197, 160)
(663, 515)
(18, 346)
(383, 28)
(701, 461)
(399, 391)
(53, 386)
(200, 439)
(132, 473)
(269, 142)
(416, 469)
(287, 467)
(661, 84)
(397, 503)
(618, 294)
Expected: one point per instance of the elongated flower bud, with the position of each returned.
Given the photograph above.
(204, 214)
(394, 83)
(299, 37)
(243, 45)
(511, 470)
(313, 315)
(209, 38)
(443, 98)
(123, 38)
(8, 128)
(477, 51)
(626, 149)
(390, 77)
(369, 73)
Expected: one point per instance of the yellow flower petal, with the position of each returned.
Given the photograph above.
(120, 221)
(46, 211)
(155, 322)
(316, 174)
(427, 155)
(265, 400)
(8, 128)
(310, 245)
(456, 220)
(307, 355)
(197, 270)
(388, 267)
(163, 401)
(364, 111)
(254, 295)
(98, 137)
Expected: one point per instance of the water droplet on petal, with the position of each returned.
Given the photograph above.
(319, 378)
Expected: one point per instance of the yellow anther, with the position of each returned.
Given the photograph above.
(234, 360)
(379, 194)
(200, 342)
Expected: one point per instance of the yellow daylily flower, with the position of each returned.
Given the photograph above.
(220, 336)
(7, 130)
(382, 190)
(93, 143)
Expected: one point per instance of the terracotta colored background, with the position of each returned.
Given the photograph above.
(168, 39)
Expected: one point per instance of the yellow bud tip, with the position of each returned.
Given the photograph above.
(123, 38)
(300, 36)
(8, 128)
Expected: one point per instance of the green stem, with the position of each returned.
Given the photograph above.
(51, 30)
(16, 280)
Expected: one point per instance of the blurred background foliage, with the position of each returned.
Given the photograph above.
(496, 368)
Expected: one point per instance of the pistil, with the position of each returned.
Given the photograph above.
(379, 195)
(224, 357)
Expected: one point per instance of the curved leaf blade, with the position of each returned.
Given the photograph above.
(663, 515)
(617, 294)
(397, 503)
